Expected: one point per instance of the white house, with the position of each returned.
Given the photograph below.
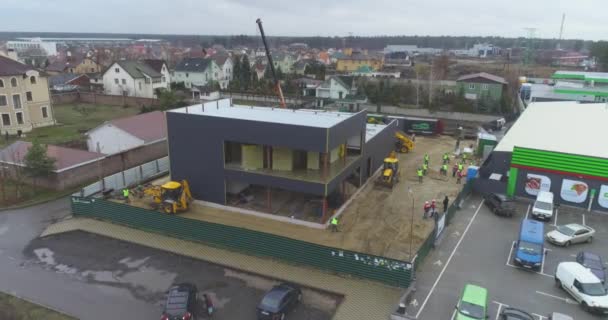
(133, 78)
(196, 71)
(127, 133)
(161, 67)
(336, 87)
(226, 65)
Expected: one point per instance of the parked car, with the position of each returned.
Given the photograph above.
(530, 246)
(277, 302)
(568, 234)
(594, 263)
(500, 204)
(515, 314)
(583, 286)
(473, 303)
(543, 206)
(181, 302)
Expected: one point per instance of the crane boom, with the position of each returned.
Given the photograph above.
(277, 83)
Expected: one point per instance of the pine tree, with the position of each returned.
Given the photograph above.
(245, 73)
(37, 163)
(236, 74)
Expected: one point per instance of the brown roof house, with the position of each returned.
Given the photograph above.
(123, 134)
(71, 165)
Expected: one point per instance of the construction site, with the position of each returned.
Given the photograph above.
(367, 179)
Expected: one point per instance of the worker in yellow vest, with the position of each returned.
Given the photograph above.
(426, 158)
(444, 169)
(425, 168)
(420, 174)
(334, 224)
(125, 194)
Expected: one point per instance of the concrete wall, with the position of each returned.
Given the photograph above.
(112, 100)
(378, 148)
(92, 171)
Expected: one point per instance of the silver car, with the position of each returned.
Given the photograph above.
(565, 235)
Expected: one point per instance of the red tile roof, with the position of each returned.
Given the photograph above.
(148, 127)
(65, 157)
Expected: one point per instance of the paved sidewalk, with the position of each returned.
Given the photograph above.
(363, 299)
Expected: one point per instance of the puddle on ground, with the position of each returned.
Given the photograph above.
(150, 278)
(251, 280)
(45, 255)
(100, 276)
(133, 264)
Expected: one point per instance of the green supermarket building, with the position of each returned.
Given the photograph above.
(560, 147)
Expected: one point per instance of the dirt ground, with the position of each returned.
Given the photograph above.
(378, 221)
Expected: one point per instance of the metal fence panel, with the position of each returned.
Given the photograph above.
(148, 169)
(392, 272)
(114, 181)
(92, 189)
(132, 176)
(163, 164)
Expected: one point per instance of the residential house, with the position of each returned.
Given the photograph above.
(283, 61)
(482, 85)
(260, 69)
(74, 65)
(69, 82)
(133, 78)
(357, 60)
(24, 98)
(196, 71)
(161, 67)
(341, 90)
(124, 134)
(205, 93)
(300, 66)
(225, 63)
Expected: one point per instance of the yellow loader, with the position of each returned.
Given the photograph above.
(172, 197)
(390, 172)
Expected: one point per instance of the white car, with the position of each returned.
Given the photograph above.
(583, 286)
(570, 233)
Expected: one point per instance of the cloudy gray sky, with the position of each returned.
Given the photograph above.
(584, 18)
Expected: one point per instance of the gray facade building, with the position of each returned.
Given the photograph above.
(221, 149)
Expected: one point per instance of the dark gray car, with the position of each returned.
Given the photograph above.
(500, 204)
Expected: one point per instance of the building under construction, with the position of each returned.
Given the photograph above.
(235, 154)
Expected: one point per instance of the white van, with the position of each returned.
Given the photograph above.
(583, 286)
(543, 206)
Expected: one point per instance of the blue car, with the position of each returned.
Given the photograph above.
(593, 262)
(529, 248)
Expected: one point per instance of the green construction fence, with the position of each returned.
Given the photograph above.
(388, 271)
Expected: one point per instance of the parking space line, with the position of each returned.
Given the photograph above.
(584, 219)
(447, 263)
(500, 305)
(542, 263)
(508, 264)
(556, 297)
(453, 314)
(510, 252)
(527, 211)
(555, 219)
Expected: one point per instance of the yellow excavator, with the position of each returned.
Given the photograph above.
(390, 171)
(172, 197)
(404, 144)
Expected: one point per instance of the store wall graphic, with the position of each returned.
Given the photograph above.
(602, 198)
(536, 183)
(574, 191)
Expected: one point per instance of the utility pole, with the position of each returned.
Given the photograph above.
(431, 85)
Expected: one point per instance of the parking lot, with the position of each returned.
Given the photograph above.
(478, 249)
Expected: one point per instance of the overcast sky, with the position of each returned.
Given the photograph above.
(586, 19)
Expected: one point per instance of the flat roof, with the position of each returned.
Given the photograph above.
(582, 75)
(371, 130)
(299, 117)
(563, 126)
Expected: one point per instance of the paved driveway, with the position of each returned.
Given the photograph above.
(478, 249)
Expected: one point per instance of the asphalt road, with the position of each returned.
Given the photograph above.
(92, 277)
(477, 249)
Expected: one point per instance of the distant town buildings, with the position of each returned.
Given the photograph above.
(578, 86)
(353, 60)
(25, 44)
(479, 86)
(24, 98)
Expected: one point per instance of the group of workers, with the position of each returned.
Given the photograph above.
(457, 168)
(430, 208)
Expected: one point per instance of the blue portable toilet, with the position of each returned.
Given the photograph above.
(472, 172)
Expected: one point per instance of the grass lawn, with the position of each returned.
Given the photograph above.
(73, 120)
(14, 308)
(27, 194)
